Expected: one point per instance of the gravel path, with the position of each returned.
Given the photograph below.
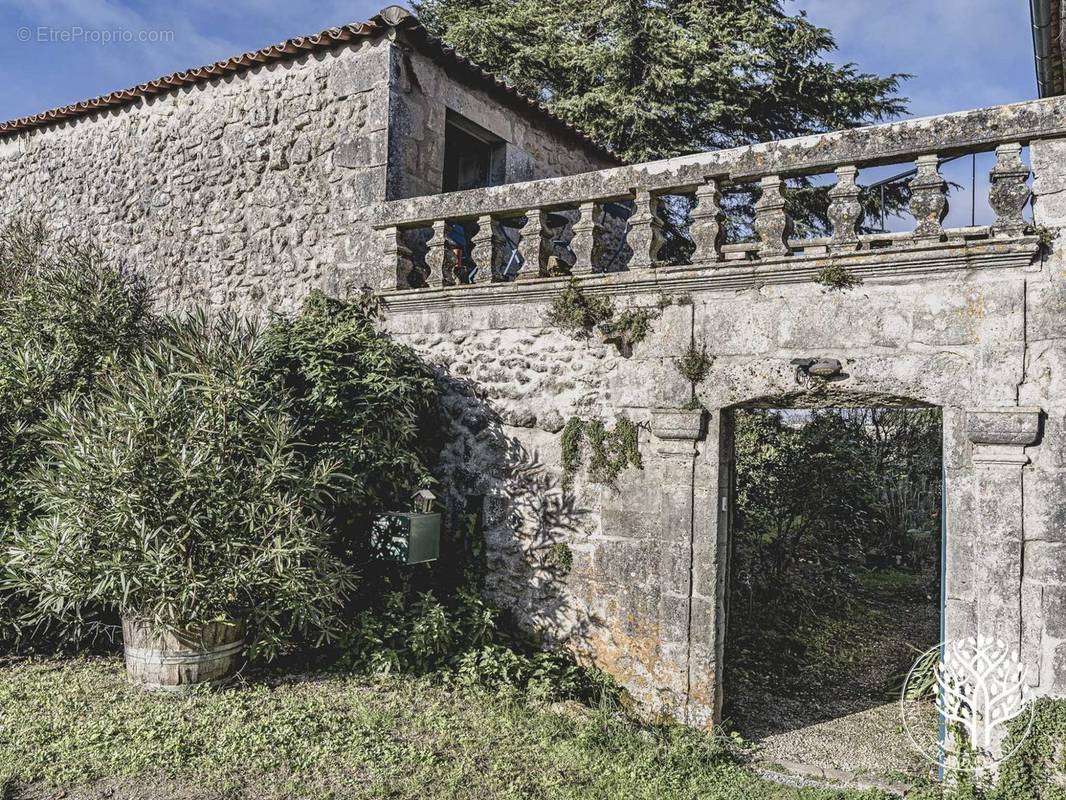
(845, 726)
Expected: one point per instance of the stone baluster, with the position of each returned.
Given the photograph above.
(439, 256)
(929, 199)
(397, 251)
(486, 247)
(535, 246)
(585, 243)
(772, 222)
(1009, 193)
(706, 227)
(645, 231)
(845, 211)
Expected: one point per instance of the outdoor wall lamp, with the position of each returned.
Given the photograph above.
(824, 368)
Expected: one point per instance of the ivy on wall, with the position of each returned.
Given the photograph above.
(610, 450)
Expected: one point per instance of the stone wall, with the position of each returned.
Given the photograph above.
(1043, 385)
(246, 191)
(242, 192)
(645, 593)
(422, 92)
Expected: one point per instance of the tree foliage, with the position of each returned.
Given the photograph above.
(822, 498)
(832, 492)
(654, 79)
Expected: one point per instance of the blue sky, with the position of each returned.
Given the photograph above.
(962, 53)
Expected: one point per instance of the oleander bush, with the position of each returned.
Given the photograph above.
(176, 493)
(67, 315)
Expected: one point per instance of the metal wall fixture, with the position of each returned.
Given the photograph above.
(824, 368)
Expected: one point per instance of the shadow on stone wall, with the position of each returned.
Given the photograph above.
(529, 517)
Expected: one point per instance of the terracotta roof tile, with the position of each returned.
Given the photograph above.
(390, 17)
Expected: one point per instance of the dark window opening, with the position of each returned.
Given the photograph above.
(473, 157)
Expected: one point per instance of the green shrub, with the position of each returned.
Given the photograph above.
(1037, 770)
(66, 317)
(461, 640)
(359, 399)
(414, 632)
(176, 494)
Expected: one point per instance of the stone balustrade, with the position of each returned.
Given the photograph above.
(530, 219)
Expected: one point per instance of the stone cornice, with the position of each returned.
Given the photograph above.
(725, 276)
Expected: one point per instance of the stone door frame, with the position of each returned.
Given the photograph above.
(983, 452)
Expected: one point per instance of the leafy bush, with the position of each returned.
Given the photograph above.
(1037, 770)
(359, 399)
(460, 638)
(416, 632)
(176, 494)
(66, 317)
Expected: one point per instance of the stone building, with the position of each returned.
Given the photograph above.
(245, 182)
(321, 162)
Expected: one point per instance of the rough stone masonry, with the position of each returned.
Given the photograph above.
(243, 184)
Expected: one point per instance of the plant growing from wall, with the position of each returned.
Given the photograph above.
(1045, 236)
(559, 558)
(578, 313)
(633, 325)
(694, 367)
(837, 278)
(570, 445)
(610, 451)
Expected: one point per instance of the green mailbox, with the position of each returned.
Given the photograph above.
(407, 537)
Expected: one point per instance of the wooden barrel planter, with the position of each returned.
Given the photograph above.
(175, 661)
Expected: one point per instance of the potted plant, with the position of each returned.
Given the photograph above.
(176, 496)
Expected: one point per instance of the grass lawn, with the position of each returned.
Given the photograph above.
(74, 729)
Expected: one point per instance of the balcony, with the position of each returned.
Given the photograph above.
(605, 228)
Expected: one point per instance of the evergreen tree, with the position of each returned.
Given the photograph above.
(659, 78)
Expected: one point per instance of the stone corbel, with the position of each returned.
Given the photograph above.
(678, 430)
(1000, 435)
